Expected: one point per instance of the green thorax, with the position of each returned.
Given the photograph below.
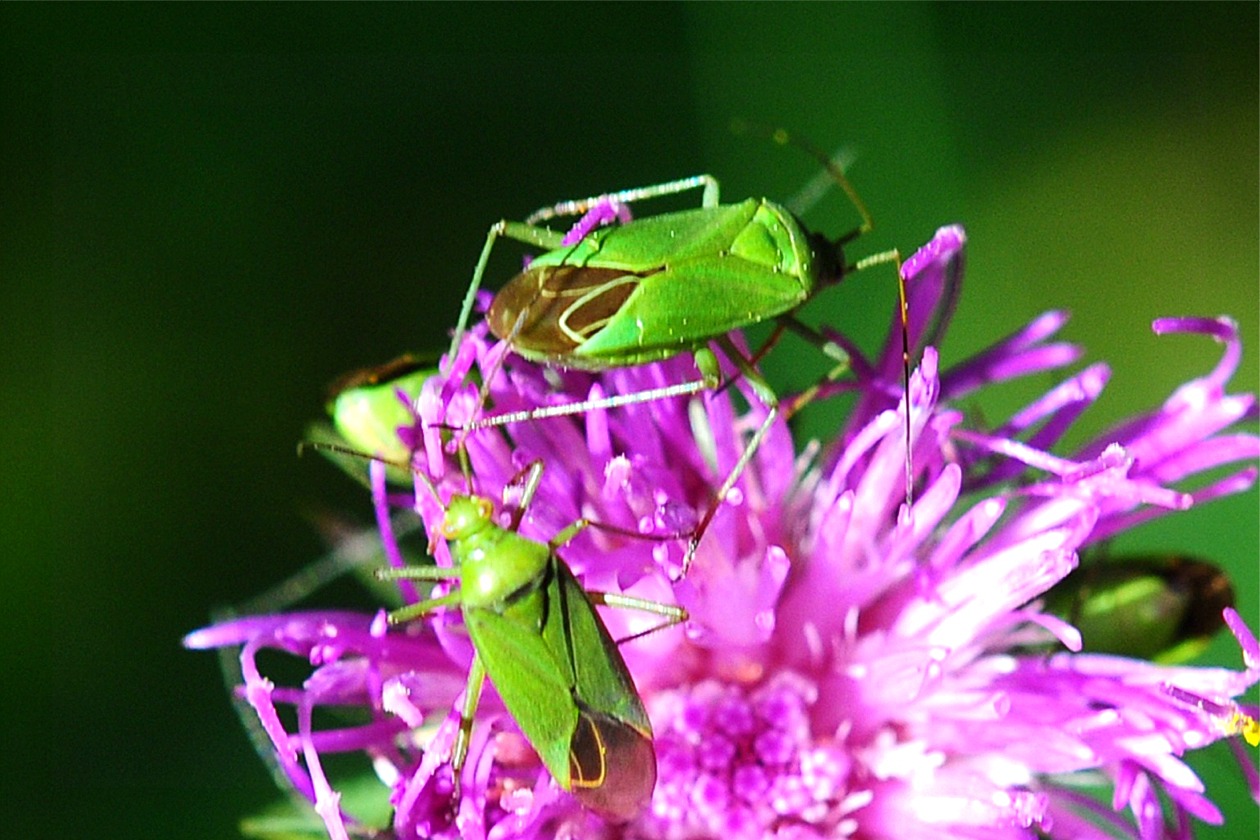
(494, 563)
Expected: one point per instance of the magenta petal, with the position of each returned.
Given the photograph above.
(867, 652)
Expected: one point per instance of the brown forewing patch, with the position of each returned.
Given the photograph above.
(612, 766)
(1211, 592)
(553, 309)
(365, 377)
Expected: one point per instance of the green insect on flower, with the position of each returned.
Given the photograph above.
(668, 284)
(1162, 608)
(372, 412)
(536, 635)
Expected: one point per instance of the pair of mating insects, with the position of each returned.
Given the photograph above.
(606, 297)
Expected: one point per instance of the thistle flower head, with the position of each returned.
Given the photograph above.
(850, 667)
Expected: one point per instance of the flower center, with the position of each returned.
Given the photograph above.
(743, 763)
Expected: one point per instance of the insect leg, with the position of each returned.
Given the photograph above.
(894, 257)
(577, 207)
(682, 389)
(768, 398)
(467, 709)
(672, 613)
(829, 348)
(532, 478)
(420, 608)
(521, 232)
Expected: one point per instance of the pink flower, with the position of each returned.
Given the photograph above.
(850, 667)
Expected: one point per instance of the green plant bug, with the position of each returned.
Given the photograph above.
(367, 408)
(535, 633)
(677, 282)
(1165, 608)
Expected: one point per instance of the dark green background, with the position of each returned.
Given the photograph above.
(208, 212)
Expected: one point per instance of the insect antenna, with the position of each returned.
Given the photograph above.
(465, 468)
(783, 138)
(324, 446)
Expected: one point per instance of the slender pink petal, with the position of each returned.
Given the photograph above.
(852, 665)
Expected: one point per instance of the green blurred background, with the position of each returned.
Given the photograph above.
(211, 211)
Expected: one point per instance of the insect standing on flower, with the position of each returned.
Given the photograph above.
(536, 635)
(368, 408)
(678, 282)
(1165, 608)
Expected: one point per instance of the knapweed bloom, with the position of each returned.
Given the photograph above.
(850, 667)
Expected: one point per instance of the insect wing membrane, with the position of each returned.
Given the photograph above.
(612, 765)
(1209, 592)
